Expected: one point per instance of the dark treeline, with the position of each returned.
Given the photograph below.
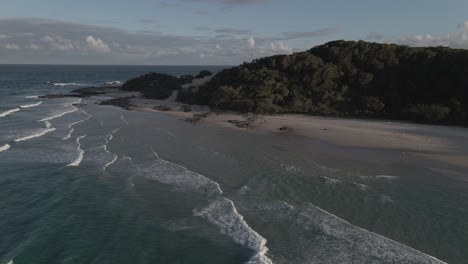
(347, 78)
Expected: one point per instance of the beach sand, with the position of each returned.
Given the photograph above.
(445, 144)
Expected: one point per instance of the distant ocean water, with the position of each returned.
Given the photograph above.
(98, 184)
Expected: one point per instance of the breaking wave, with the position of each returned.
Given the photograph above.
(75, 123)
(59, 115)
(31, 105)
(78, 160)
(5, 147)
(36, 134)
(223, 214)
(8, 112)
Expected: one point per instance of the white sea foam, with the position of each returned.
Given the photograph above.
(223, 214)
(11, 262)
(126, 158)
(122, 117)
(355, 244)
(8, 112)
(47, 124)
(59, 115)
(64, 84)
(5, 147)
(115, 157)
(116, 130)
(31, 97)
(154, 152)
(72, 129)
(325, 168)
(330, 180)
(167, 132)
(361, 186)
(36, 134)
(107, 151)
(385, 199)
(78, 160)
(387, 177)
(31, 105)
(112, 161)
(180, 177)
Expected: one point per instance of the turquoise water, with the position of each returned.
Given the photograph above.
(98, 184)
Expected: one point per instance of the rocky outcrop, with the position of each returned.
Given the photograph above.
(123, 102)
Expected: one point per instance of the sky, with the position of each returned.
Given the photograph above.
(214, 32)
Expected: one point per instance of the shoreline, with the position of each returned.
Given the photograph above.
(445, 144)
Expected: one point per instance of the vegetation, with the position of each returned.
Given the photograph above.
(159, 85)
(347, 78)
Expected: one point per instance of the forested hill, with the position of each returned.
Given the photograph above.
(348, 78)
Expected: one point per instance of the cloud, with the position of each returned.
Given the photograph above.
(458, 39)
(147, 21)
(251, 42)
(35, 47)
(97, 44)
(12, 47)
(463, 25)
(229, 2)
(233, 31)
(58, 43)
(280, 47)
(310, 34)
(373, 36)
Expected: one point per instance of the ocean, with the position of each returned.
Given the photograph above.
(99, 184)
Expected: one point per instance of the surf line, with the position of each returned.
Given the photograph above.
(75, 123)
(5, 147)
(59, 115)
(8, 112)
(80, 153)
(30, 105)
(35, 135)
(223, 213)
(123, 118)
(115, 157)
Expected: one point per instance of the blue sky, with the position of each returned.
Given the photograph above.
(213, 31)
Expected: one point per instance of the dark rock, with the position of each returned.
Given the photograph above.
(154, 85)
(162, 108)
(203, 74)
(186, 108)
(285, 128)
(123, 102)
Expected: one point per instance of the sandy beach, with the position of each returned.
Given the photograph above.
(445, 144)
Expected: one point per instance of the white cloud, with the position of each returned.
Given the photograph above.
(463, 25)
(251, 43)
(35, 47)
(457, 39)
(280, 47)
(97, 44)
(12, 47)
(59, 43)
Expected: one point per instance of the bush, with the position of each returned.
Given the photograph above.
(429, 113)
